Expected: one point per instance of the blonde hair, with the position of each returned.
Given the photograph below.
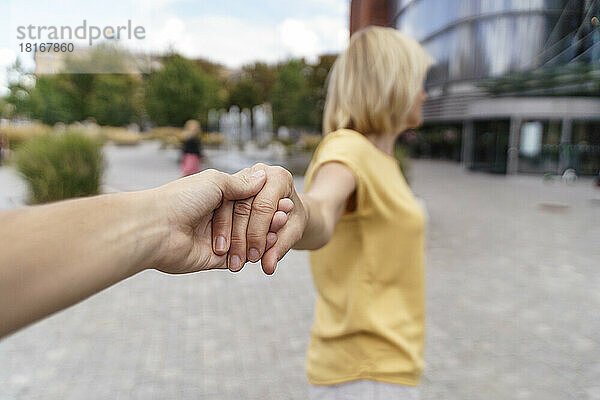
(191, 128)
(374, 83)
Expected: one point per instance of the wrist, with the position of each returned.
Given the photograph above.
(307, 212)
(149, 226)
(307, 206)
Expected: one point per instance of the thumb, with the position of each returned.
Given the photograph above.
(243, 184)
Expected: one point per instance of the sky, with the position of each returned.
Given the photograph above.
(231, 32)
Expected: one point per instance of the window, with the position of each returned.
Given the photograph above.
(585, 147)
(539, 146)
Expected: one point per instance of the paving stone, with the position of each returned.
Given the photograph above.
(512, 301)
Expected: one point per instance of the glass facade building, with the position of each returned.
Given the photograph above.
(504, 71)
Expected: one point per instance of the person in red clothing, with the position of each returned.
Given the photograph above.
(191, 160)
(4, 148)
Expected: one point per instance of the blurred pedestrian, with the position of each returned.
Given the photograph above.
(4, 147)
(191, 157)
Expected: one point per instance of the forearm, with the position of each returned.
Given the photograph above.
(319, 228)
(59, 254)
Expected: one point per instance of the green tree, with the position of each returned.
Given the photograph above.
(317, 81)
(209, 67)
(244, 93)
(19, 90)
(112, 99)
(4, 108)
(55, 99)
(291, 95)
(264, 76)
(180, 91)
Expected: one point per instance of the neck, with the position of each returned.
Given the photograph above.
(384, 142)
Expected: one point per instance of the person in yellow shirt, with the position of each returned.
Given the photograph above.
(365, 227)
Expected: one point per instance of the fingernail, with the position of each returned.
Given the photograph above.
(234, 263)
(271, 239)
(220, 243)
(253, 255)
(258, 174)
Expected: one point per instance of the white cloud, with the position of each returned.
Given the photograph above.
(329, 7)
(234, 41)
(7, 58)
(313, 27)
(298, 39)
(314, 36)
(153, 4)
(332, 31)
(339, 7)
(228, 40)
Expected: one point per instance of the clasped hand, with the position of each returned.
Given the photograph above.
(218, 220)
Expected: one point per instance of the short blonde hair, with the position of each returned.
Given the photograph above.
(191, 128)
(374, 83)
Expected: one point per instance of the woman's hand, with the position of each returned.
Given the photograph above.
(276, 208)
(188, 206)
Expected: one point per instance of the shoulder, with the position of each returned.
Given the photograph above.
(343, 146)
(344, 143)
(346, 136)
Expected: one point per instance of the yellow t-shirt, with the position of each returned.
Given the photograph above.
(370, 310)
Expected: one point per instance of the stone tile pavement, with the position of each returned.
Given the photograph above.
(513, 271)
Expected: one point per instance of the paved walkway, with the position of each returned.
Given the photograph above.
(12, 189)
(512, 296)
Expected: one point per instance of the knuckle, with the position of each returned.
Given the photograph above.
(255, 238)
(284, 173)
(210, 173)
(222, 213)
(263, 206)
(237, 245)
(245, 175)
(220, 226)
(242, 208)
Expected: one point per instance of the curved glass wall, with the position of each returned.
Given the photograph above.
(584, 150)
(476, 39)
(539, 146)
(422, 18)
(490, 146)
(488, 48)
(440, 141)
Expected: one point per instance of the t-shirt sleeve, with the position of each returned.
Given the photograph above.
(344, 148)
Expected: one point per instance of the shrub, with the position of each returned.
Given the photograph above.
(168, 136)
(310, 143)
(18, 134)
(212, 139)
(167, 132)
(173, 137)
(60, 166)
(121, 136)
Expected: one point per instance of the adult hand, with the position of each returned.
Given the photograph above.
(276, 208)
(63, 252)
(189, 204)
